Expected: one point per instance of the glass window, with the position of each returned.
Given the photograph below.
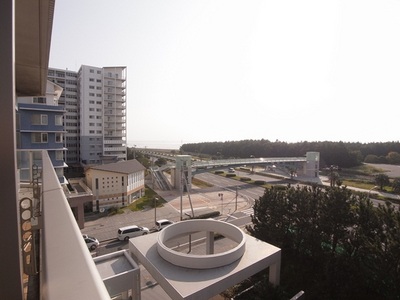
(39, 137)
(59, 155)
(59, 137)
(58, 120)
(39, 119)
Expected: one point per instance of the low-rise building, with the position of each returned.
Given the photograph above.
(116, 184)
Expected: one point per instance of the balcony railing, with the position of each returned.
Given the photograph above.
(67, 268)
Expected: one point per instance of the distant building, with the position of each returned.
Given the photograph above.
(115, 184)
(40, 126)
(95, 122)
(69, 100)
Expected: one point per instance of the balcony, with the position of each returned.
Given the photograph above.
(114, 142)
(66, 268)
(113, 149)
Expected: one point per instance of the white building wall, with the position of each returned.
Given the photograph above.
(102, 114)
(69, 99)
(114, 189)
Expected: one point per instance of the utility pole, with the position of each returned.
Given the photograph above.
(155, 209)
(236, 198)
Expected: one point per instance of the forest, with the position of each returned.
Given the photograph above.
(335, 245)
(342, 154)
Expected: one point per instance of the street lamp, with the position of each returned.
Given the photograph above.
(155, 209)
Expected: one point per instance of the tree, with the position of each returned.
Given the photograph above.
(396, 185)
(393, 158)
(161, 161)
(381, 180)
(344, 247)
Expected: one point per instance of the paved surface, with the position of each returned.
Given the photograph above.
(203, 200)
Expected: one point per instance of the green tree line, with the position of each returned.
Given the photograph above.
(341, 154)
(335, 244)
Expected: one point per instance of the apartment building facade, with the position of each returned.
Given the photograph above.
(95, 122)
(69, 100)
(102, 95)
(39, 126)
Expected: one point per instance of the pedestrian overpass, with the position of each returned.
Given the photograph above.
(183, 167)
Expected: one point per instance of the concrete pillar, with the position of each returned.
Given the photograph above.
(275, 272)
(209, 242)
(11, 280)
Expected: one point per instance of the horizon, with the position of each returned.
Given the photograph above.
(165, 145)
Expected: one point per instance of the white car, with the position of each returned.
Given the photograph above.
(160, 224)
(127, 232)
(91, 242)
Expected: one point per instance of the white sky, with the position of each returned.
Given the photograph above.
(212, 70)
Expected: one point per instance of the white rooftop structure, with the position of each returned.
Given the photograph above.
(192, 282)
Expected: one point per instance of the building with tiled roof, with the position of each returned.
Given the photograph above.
(116, 184)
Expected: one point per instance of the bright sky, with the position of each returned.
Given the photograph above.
(228, 70)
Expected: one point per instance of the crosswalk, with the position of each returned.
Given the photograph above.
(248, 211)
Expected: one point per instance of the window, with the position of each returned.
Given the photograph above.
(91, 94)
(59, 155)
(98, 80)
(91, 131)
(91, 87)
(39, 100)
(91, 124)
(91, 71)
(91, 79)
(58, 120)
(98, 72)
(59, 137)
(91, 109)
(39, 137)
(39, 119)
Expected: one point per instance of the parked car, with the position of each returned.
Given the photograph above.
(91, 242)
(127, 232)
(160, 224)
(231, 170)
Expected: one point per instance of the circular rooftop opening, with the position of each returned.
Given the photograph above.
(201, 261)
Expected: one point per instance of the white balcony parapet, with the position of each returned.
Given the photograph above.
(113, 149)
(67, 268)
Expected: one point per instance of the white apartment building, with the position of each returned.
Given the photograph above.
(69, 99)
(95, 120)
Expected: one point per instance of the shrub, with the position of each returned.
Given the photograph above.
(245, 179)
(259, 182)
(230, 175)
(208, 215)
(219, 172)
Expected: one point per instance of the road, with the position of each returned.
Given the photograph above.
(232, 198)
